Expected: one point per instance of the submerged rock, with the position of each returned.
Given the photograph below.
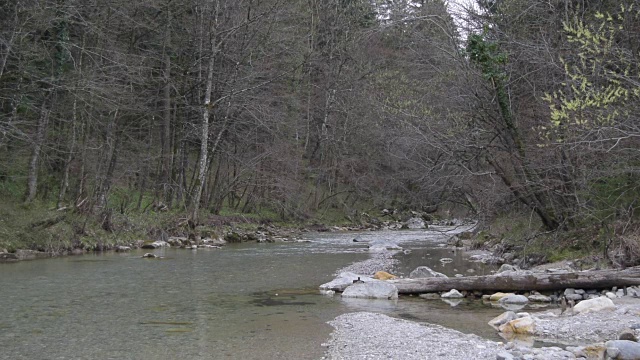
(499, 295)
(121, 248)
(371, 290)
(415, 223)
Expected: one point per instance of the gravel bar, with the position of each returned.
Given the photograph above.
(366, 335)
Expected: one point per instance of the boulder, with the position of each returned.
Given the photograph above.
(452, 294)
(593, 305)
(539, 298)
(156, 245)
(524, 326)
(121, 248)
(623, 350)
(504, 355)
(415, 223)
(514, 299)
(501, 319)
(343, 280)
(150, 256)
(383, 275)
(452, 302)
(628, 334)
(499, 295)
(507, 267)
(425, 272)
(371, 290)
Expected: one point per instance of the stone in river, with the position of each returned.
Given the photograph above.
(623, 350)
(425, 272)
(452, 294)
(539, 298)
(499, 295)
(371, 290)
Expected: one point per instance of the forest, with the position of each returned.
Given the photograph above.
(115, 114)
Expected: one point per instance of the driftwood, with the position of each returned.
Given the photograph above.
(594, 279)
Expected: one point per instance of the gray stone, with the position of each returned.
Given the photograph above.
(503, 318)
(574, 297)
(156, 245)
(628, 334)
(539, 298)
(610, 295)
(452, 294)
(415, 223)
(383, 246)
(504, 355)
(514, 299)
(593, 305)
(569, 291)
(371, 290)
(579, 291)
(425, 272)
(507, 267)
(623, 349)
(121, 248)
(5, 256)
(344, 280)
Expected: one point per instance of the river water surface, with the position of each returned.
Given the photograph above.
(246, 301)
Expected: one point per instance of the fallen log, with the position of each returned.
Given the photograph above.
(594, 279)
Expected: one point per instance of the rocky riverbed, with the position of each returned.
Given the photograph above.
(605, 325)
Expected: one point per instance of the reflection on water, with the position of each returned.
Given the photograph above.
(247, 301)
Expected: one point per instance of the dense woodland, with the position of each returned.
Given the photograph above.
(303, 106)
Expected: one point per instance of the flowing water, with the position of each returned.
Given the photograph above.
(246, 301)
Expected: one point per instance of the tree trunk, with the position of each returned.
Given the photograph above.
(32, 178)
(595, 279)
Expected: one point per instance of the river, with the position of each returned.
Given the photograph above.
(246, 301)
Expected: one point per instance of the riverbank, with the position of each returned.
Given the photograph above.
(590, 334)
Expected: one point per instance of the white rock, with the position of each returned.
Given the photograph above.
(452, 294)
(539, 298)
(611, 295)
(344, 280)
(371, 290)
(593, 305)
(425, 272)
